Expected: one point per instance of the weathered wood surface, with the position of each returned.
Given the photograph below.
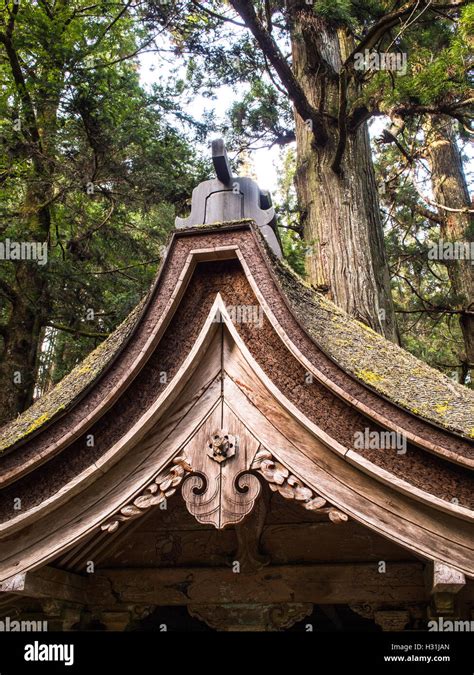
(221, 492)
(267, 302)
(84, 512)
(417, 526)
(49, 582)
(265, 395)
(207, 369)
(446, 579)
(177, 289)
(318, 584)
(250, 398)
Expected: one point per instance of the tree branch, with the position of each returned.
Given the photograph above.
(76, 331)
(387, 137)
(390, 20)
(30, 116)
(215, 15)
(270, 48)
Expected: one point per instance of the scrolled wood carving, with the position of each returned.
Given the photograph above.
(281, 480)
(221, 498)
(162, 487)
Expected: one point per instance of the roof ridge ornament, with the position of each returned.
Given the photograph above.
(229, 197)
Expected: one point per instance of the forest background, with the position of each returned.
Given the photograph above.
(358, 114)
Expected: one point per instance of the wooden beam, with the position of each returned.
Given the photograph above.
(324, 584)
(318, 584)
(446, 579)
(13, 584)
(444, 583)
(51, 583)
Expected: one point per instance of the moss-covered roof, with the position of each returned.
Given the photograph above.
(360, 351)
(70, 388)
(377, 362)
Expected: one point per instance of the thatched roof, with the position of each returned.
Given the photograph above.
(378, 363)
(59, 399)
(364, 354)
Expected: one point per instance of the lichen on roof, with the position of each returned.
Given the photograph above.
(367, 356)
(69, 389)
(375, 361)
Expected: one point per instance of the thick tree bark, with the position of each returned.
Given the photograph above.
(335, 178)
(341, 212)
(18, 363)
(28, 301)
(450, 190)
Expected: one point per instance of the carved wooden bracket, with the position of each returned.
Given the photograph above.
(221, 490)
(161, 487)
(251, 617)
(388, 618)
(16, 583)
(445, 583)
(222, 484)
(290, 487)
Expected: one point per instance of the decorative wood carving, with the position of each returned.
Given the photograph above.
(366, 610)
(221, 492)
(446, 579)
(290, 487)
(392, 619)
(257, 618)
(212, 499)
(223, 486)
(162, 487)
(221, 446)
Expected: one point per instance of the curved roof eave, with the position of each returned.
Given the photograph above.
(379, 365)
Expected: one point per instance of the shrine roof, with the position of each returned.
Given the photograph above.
(64, 394)
(380, 365)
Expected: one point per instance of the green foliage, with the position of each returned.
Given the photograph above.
(336, 11)
(421, 289)
(99, 128)
(439, 60)
(293, 245)
(101, 184)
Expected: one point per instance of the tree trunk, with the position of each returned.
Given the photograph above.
(341, 214)
(18, 364)
(29, 303)
(450, 190)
